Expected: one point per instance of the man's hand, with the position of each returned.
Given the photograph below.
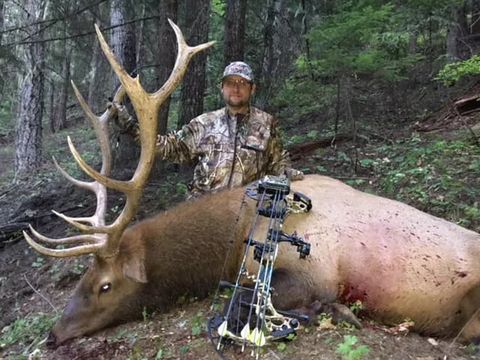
(124, 121)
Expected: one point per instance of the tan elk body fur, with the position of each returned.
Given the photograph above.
(400, 262)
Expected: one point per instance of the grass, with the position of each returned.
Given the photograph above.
(439, 176)
(350, 350)
(26, 332)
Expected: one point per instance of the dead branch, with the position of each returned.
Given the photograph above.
(296, 151)
(40, 294)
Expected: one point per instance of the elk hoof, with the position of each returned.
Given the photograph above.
(339, 313)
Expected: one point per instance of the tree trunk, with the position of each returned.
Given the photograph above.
(452, 36)
(64, 87)
(235, 31)
(95, 93)
(52, 105)
(2, 2)
(194, 84)
(167, 53)
(141, 27)
(475, 15)
(59, 118)
(28, 138)
(123, 46)
(123, 36)
(268, 57)
(305, 31)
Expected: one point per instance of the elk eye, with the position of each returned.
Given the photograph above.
(105, 288)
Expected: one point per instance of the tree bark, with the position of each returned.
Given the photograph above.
(268, 57)
(235, 31)
(52, 104)
(194, 84)
(475, 17)
(123, 46)
(28, 132)
(452, 36)
(123, 36)
(96, 101)
(59, 119)
(167, 53)
(2, 2)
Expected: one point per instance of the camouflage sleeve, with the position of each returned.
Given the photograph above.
(182, 145)
(178, 147)
(280, 163)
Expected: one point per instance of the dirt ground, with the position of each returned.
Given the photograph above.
(32, 285)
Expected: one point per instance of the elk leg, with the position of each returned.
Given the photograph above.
(467, 321)
(292, 292)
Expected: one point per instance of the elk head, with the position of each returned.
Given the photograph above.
(109, 291)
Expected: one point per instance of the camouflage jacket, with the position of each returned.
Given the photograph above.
(229, 150)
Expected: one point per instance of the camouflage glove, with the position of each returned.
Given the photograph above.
(293, 174)
(124, 121)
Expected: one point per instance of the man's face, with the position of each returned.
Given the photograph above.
(236, 91)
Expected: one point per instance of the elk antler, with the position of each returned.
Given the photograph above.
(101, 238)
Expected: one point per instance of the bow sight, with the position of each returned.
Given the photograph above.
(249, 318)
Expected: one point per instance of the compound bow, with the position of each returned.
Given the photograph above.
(249, 318)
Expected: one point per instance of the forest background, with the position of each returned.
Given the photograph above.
(380, 94)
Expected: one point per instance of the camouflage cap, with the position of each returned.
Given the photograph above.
(239, 68)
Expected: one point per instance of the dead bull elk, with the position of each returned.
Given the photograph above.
(400, 262)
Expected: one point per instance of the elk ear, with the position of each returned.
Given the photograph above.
(133, 257)
(134, 269)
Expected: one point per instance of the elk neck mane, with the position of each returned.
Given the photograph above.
(187, 245)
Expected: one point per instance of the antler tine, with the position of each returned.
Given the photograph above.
(74, 251)
(185, 53)
(100, 125)
(88, 239)
(87, 243)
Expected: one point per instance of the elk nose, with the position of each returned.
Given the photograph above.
(51, 340)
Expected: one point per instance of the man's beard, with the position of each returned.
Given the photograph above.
(236, 103)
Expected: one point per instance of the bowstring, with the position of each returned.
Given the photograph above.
(244, 260)
(271, 244)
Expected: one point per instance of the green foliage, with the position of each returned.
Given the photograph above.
(453, 72)
(302, 96)
(7, 119)
(198, 325)
(350, 350)
(26, 331)
(38, 263)
(78, 267)
(360, 39)
(185, 349)
(312, 134)
(145, 315)
(182, 188)
(431, 176)
(356, 307)
(137, 353)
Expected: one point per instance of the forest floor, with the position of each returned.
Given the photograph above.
(34, 289)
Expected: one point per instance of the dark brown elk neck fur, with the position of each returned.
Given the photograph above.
(185, 248)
